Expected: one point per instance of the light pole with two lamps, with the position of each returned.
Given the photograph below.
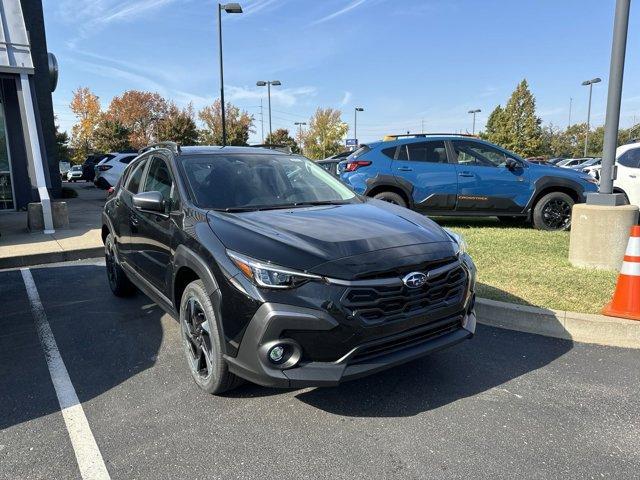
(268, 83)
(473, 127)
(355, 123)
(586, 136)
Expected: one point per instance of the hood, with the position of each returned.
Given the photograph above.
(557, 171)
(303, 238)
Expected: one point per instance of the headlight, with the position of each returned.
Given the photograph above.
(458, 240)
(268, 275)
(590, 179)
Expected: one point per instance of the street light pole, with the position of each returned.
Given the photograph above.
(473, 112)
(268, 83)
(299, 125)
(229, 8)
(586, 136)
(355, 123)
(614, 96)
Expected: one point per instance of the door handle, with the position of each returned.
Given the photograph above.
(466, 174)
(632, 176)
(405, 169)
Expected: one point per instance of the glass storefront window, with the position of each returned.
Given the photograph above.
(6, 186)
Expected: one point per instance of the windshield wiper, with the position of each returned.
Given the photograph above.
(319, 202)
(279, 206)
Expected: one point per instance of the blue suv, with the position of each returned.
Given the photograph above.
(462, 175)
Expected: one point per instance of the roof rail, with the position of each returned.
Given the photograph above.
(173, 146)
(388, 138)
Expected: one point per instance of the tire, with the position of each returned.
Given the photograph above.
(625, 197)
(120, 285)
(553, 212)
(202, 342)
(513, 221)
(391, 197)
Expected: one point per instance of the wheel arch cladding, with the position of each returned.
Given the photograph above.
(547, 185)
(189, 266)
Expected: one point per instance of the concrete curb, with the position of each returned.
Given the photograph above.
(51, 257)
(580, 327)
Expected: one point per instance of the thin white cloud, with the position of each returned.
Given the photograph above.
(342, 11)
(283, 96)
(346, 99)
(130, 10)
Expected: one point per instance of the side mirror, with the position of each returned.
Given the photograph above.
(511, 164)
(149, 201)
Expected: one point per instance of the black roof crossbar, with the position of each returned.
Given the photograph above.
(173, 146)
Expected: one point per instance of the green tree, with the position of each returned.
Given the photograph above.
(62, 144)
(523, 131)
(178, 125)
(325, 135)
(112, 136)
(496, 127)
(239, 124)
(281, 137)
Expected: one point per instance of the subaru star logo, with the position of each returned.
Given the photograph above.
(415, 280)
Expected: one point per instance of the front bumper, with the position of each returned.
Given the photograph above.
(271, 320)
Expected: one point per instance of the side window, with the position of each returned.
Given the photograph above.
(630, 158)
(478, 154)
(390, 152)
(127, 160)
(432, 152)
(402, 153)
(158, 179)
(134, 178)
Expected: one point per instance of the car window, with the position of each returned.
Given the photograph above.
(158, 178)
(128, 159)
(478, 154)
(389, 152)
(432, 152)
(133, 182)
(630, 158)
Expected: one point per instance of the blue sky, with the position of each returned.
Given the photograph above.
(404, 61)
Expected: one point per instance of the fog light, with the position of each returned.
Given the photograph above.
(276, 354)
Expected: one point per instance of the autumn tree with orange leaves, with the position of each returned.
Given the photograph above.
(86, 107)
(140, 113)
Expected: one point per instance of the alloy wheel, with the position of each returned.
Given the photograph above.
(196, 336)
(556, 214)
(110, 262)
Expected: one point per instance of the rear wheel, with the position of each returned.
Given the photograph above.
(391, 197)
(553, 212)
(202, 342)
(120, 285)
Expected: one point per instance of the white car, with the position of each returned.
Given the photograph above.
(572, 162)
(110, 169)
(75, 173)
(628, 177)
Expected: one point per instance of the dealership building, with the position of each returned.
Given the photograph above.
(29, 169)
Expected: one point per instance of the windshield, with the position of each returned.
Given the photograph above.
(258, 181)
(76, 168)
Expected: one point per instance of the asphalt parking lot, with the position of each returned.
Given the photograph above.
(505, 404)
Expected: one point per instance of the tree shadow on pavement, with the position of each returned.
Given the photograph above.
(103, 340)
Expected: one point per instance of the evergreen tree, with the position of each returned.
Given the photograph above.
(281, 137)
(111, 136)
(178, 126)
(523, 131)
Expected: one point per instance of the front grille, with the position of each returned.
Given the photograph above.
(406, 340)
(379, 303)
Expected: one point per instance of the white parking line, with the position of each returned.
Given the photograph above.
(87, 453)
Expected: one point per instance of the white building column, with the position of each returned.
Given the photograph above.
(35, 152)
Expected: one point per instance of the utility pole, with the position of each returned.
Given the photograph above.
(261, 121)
(355, 123)
(570, 105)
(268, 83)
(422, 129)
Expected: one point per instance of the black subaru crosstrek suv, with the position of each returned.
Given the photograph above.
(277, 272)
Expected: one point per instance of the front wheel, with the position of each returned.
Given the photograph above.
(202, 342)
(391, 197)
(553, 212)
(120, 285)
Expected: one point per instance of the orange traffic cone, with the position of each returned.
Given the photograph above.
(626, 299)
